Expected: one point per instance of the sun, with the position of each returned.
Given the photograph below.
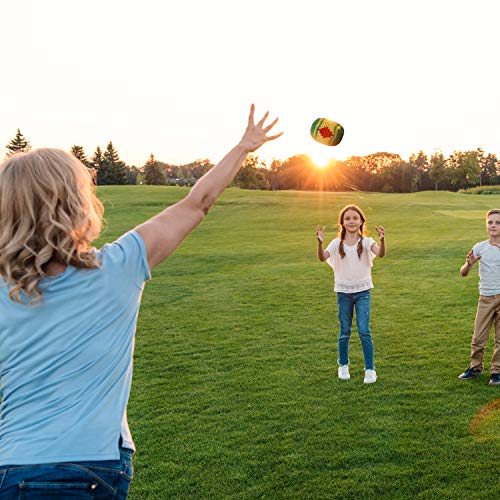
(321, 157)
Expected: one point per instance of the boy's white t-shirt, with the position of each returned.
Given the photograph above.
(352, 274)
(489, 268)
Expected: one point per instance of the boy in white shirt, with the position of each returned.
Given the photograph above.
(488, 307)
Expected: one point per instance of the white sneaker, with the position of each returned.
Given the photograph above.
(344, 372)
(370, 376)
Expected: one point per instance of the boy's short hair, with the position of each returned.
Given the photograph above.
(493, 211)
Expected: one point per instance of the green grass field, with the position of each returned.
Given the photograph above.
(235, 393)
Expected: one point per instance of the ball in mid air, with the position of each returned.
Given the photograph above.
(327, 131)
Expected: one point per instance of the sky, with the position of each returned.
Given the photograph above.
(176, 78)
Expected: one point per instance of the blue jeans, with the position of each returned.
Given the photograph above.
(347, 302)
(103, 479)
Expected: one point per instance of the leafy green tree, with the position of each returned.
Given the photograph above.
(373, 165)
(438, 172)
(398, 176)
(358, 176)
(133, 174)
(18, 144)
(169, 171)
(492, 167)
(297, 172)
(376, 162)
(336, 176)
(179, 175)
(153, 173)
(421, 164)
(197, 168)
(275, 175)
(250, 175)
(246, 177)
(262, 180)
(488, 164)
(464, 168)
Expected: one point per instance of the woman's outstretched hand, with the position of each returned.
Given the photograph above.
(255, 134)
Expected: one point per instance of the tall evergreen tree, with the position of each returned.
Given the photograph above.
(153, 174)
(79, 153)
(19, 143)
(111, 154)
(115, 170)
(97, 163)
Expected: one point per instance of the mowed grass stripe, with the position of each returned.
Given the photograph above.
(235, 392)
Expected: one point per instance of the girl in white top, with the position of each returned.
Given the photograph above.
(351, 257)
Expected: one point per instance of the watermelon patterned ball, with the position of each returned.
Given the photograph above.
(327, 131)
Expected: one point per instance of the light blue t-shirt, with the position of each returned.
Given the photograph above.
(489, 267)
(66, 364)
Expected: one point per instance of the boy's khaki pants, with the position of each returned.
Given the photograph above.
(488, 313)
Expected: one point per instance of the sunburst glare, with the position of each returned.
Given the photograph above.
(321, 157)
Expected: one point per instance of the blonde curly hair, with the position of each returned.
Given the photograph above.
(48, 212)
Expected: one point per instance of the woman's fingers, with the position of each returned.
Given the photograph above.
(250, 116)
(269, 127)
(263, 119)
(255, 134)
(272, 137)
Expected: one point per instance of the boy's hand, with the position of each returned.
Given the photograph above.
(320, 233)
(471, 259)
(380, 232)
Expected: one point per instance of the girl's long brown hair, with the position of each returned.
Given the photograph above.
(342, 230)
(48, 212)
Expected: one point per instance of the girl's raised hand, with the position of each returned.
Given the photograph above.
(320, 233)
(380, 232)
(255, 134)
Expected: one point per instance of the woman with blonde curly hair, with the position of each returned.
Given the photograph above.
(68, 320)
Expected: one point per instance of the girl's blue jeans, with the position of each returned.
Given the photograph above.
(347, 302)
(103, 479)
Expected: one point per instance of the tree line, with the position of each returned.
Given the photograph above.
(383, 172)
(389, 173)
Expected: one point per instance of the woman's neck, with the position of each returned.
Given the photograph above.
(54, 268)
